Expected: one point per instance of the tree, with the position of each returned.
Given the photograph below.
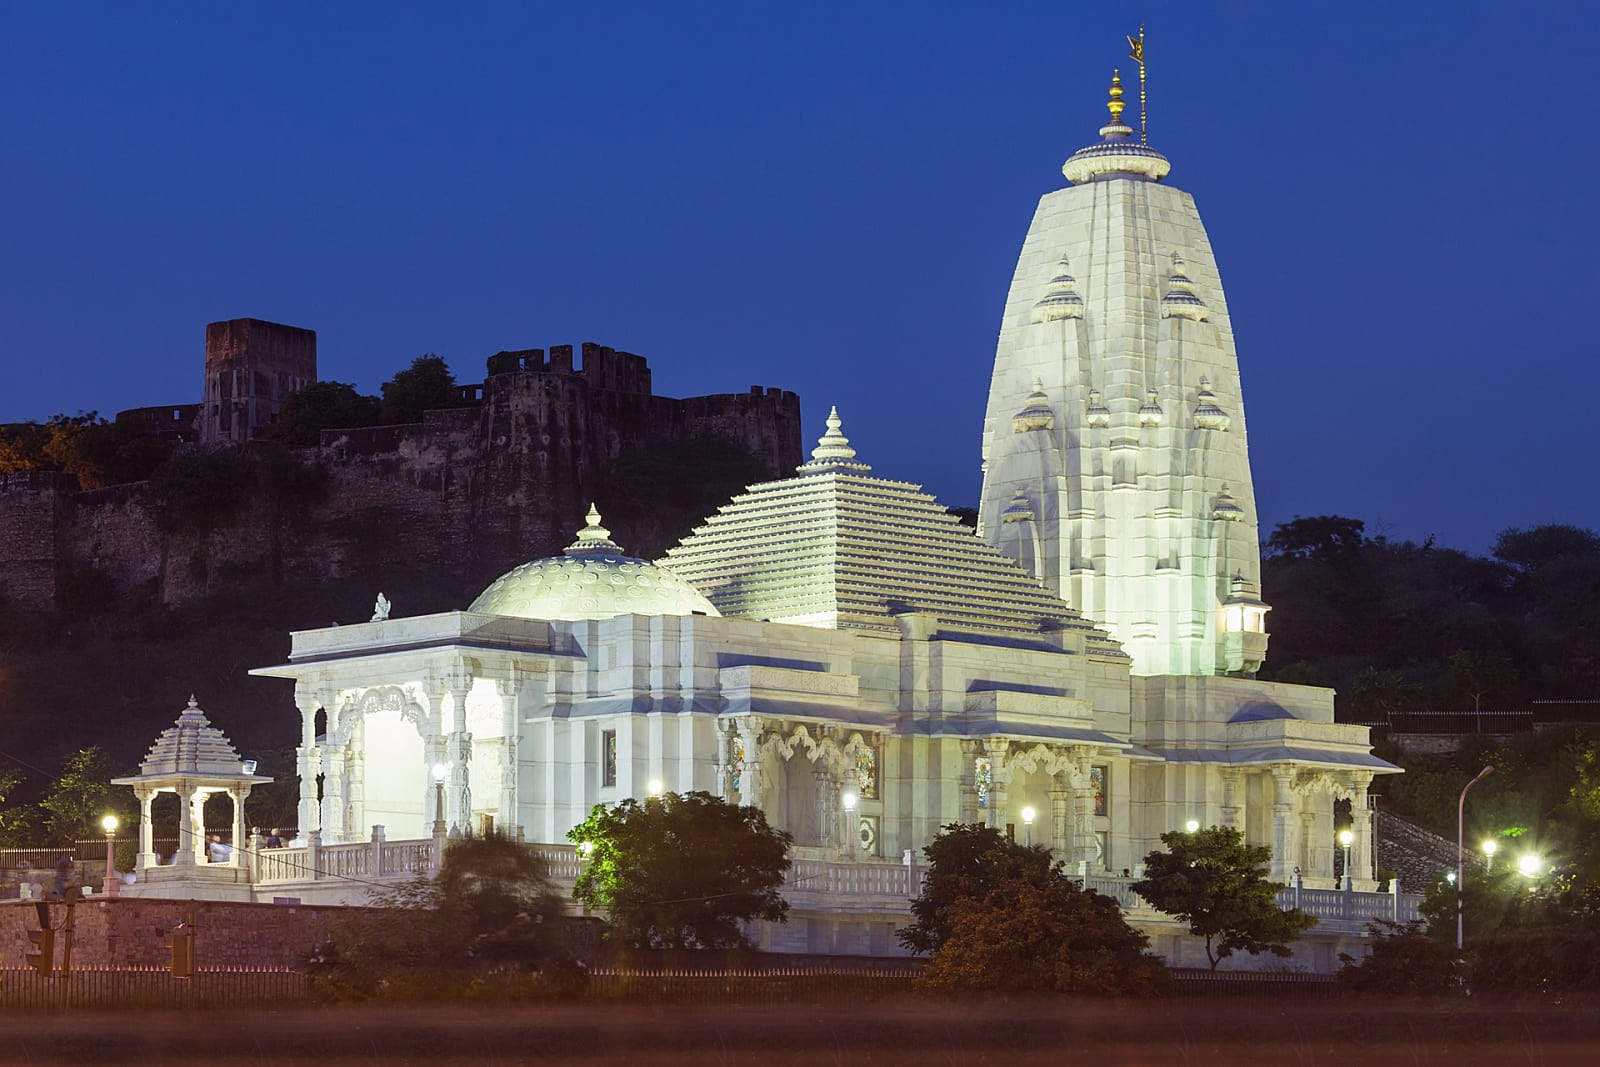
(1403, 959)
(321, 406)
(965, 861)
(1217, 884)
(1023, 925)
(1324, 538)
(426, 385)
(81, 796)
(681, 871)
(490, 907)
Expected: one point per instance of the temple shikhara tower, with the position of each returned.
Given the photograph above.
(1114, 448)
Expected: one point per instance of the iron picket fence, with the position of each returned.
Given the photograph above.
(22, 988)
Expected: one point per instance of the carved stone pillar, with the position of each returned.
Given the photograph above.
(999, 808)
(1361, 850)
(510, 741)
(307, 763)
(1062, 833)
(458, 806)
(191, 830)
(334, 809)
(970, 750)
(1282, 828)
(1086, 847)
(750, 728)
(1308, 843)
(237, 795)
(827, 783)
(147, 843)
(1231, 785)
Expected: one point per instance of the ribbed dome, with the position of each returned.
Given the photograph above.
(192, 746)
(592, 579)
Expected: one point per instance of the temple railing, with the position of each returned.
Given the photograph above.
(812, 883)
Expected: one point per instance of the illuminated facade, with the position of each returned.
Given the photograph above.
(1114, 444)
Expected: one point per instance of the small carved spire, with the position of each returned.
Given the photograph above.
(1035, 413)
(1225, 509)
(1096, 414)
(594, 539)
(833, 451)
(1061, 299)
(1180, 301)
(1207, 414)
(1150, 412)
(1019, 510)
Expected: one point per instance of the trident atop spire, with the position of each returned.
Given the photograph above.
(1136, 53)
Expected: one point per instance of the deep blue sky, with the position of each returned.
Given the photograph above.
(830, 199)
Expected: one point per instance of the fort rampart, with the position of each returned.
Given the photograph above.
(470, 491)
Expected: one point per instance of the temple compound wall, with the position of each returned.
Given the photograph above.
(467, 492)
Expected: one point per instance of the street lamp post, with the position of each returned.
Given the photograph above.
(1346, 838)
(1461, 850)
(1028, 815)
(111, 886)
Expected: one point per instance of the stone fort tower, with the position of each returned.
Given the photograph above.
(1114, 448)
(251, 366)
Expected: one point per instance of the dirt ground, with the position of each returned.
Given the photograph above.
(966, 1032)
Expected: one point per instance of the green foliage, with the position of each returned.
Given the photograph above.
(655, 496)
(1324, 538)
(1217, 884)
(681, 870)
(96, 452)
(1403, 960)
(965, 861)
(81, 796)
(999, 917)
(200, 489)
(319, 406)
(18, 822)
(490, 908)
(22, 447)
(426, 385)
(1397, 626)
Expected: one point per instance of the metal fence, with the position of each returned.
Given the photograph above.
(24, 989)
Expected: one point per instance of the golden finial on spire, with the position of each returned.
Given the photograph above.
(1115, 104)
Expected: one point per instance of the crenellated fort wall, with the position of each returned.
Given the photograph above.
(468, 492)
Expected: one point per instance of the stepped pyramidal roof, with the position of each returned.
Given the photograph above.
(837, 548)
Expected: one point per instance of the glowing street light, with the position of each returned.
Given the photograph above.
(1489, 848)
(1028, 815)
(1346, 838)
(1461, 851)
(1192, 825)
(654, 787)
(1530, 865)
(111, 885)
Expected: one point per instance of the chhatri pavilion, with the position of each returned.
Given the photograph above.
(837, 649)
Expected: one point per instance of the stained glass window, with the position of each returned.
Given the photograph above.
(736, 760)
(867, 773)
(983, 778)
(608, 757)
(1097, 782)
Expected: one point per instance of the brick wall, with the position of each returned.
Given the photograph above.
(124, 933)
